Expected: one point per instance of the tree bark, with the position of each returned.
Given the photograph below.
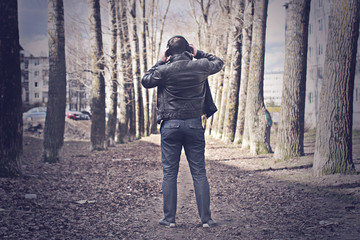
(333, 147)
(112, 117)
(234, 83)
(55, 113)
(139, 114)
(144, 65)
(290, 138)
(255, 98)
(126, 126)
(245, 63)
(10, 91)
(225, 89)
(98, 141)
(217, 90)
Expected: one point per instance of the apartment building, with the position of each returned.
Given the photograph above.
(273, 88)
(35, 84)
(35, 79)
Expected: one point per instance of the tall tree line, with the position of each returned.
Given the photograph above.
(251, 123)
(238, 90)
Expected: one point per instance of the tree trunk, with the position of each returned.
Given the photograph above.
(112, 118)
(139, 114)
(290, 138)
(98, 141)
(144, 65)
(156, 56)
(225, 88)
(216, 87)
(333, 148)
(245, 63)
(213, 82)
(234, 83)
(255, 98)
(126, 126)
(10, 91)
(55, 113)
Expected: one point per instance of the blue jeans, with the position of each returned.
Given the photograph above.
(189, 134)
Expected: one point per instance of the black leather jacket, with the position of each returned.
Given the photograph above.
(183, 90)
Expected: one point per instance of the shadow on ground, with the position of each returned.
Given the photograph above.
(116, 194)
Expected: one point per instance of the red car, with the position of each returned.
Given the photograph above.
(75, 115)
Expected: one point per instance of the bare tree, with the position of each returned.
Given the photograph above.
(78, 59)
(223, 45)
(333, 148)
(255, 99)
(111, 124)
(225, 88)
(202, 20)
(98, 141)
(162, 20)
(139, 114)
(218, 94)
(10, 91)
(144, 66)
(234, 81)
(245, 63)
(126, 125)
(155, 37)
(55, 114)
(290, 138)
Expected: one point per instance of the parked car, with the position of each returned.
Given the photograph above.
(76, 115)
(87, 113)
(35, 114)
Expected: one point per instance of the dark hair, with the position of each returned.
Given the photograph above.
(178, 44)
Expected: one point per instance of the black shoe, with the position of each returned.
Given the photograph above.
(166, 223)
(210, 223)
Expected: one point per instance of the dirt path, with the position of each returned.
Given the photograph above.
(116, 194)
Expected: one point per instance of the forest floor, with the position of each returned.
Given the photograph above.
(116, 194)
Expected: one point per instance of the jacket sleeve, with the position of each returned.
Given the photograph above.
(215, 63)
(152, 77)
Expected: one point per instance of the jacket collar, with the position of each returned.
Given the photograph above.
(181, 56)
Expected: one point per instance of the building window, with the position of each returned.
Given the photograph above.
(36, 73)
(36, 62)
(320, 49)
(36, 84)
(45, 82)
(26, 76)
(45, 73)
(310, 51)
(36, 95)
(356, 95)
(320, 22)
(310, 26)
(320, 3)
(310, 97)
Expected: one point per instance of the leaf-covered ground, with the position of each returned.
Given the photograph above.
(116, 194)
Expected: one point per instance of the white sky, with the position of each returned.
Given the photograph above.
(33, 27)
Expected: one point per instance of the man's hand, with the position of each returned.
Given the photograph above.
(194, 50)
(165, 58)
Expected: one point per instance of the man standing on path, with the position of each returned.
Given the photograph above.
(183, 98)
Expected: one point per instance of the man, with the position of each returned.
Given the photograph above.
(183, 97)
